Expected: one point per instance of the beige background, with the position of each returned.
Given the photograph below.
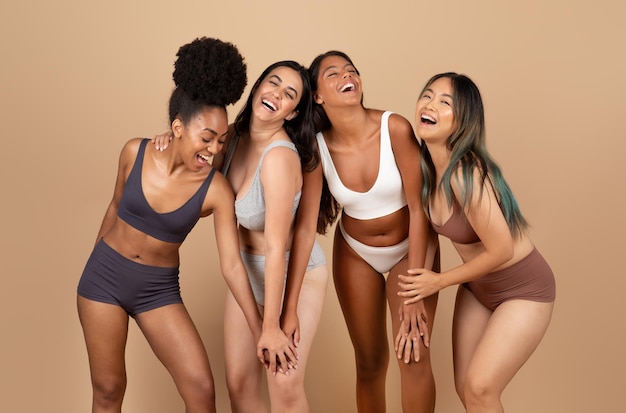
(79, 78)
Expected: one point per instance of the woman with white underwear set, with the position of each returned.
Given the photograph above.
(369, 162)
(505, 301)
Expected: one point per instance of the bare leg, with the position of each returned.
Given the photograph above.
(509, 337)
(287, 393)
(105, 327)
(244, 371)
(177, 344)
(416, 378)
(361, 293)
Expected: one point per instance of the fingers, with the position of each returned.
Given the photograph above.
(296, 337)
(399, 344)
(161, 142)
(422, 321)
(416, 335)
(280, 362)
(407, 346)
(417, 356)
(263, 356)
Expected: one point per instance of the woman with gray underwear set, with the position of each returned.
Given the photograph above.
(270, 159)
(270, 145)
(158, 198)
(368, 159)
(505, 301)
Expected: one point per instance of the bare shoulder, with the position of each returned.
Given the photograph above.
(219, 195)
(400, 126)
(129, 150)
(132, 146)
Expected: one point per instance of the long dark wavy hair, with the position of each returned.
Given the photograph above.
(300, 129)
(469, 152)
(329, 207)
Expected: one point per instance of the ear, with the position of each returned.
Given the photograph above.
(317, 99)
(177, 128)
(292, 115)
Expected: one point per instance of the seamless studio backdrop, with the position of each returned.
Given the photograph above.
(80, 78)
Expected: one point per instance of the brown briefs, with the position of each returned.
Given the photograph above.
(529, 279)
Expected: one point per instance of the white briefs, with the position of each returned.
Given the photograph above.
(382, 259)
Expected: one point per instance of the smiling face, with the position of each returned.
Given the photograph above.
(278, 94)
(434, 113)
(338, 82)
(202, 137)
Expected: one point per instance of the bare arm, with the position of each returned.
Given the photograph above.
(487, 220)
(280, 178)
(232, 266)
(407, 154)
(305, 230)
(125, 163)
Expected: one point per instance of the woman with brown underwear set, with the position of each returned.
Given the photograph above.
(505, 301)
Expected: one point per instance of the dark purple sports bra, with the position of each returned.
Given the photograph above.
(169, 226)
(457, 227)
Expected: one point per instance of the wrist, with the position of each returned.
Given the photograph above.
(441, 281)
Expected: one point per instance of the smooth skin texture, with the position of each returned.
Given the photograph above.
(354, 144)
(288, 327)
(169, 179)
(489, 346)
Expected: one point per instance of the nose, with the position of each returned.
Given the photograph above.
(346, 74)
(214, 147)
(429, 104)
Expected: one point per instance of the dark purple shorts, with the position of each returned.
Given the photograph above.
(112, 278)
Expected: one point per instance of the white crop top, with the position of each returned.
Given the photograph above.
(384, 197)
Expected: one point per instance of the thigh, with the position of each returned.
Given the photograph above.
(468, 326)
(240, 357)
(361, 294)
(105, 327)
(176, 342)
(511, 335)
(310, 306)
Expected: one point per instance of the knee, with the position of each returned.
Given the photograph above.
(198, 390)
(286, 393)
(477, 391)
(108, 392)
(240, 385)
(373, 365)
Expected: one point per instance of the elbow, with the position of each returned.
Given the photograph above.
(230, 272)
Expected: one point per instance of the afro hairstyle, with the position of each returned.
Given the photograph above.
(211, 71)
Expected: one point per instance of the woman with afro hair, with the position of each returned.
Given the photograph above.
(158, 198)
(270, 159)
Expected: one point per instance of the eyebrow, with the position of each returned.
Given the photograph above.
(211, 131)
(443, 94)
(281, 81)
(335, 67)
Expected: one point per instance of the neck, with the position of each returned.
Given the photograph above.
(170, 160)
(440, 156)
(348, 123)
(261, 132)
